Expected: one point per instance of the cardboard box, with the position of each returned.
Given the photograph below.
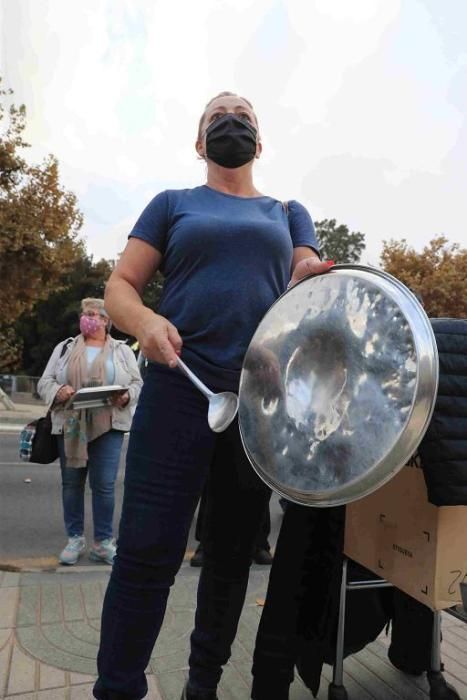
(420, 548)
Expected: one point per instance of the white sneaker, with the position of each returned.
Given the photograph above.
(104, 550)
(72, 552)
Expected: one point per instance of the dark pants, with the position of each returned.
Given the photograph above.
(170, 452)
(301, 605)
(262, 536)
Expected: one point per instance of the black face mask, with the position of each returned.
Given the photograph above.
(231, 141)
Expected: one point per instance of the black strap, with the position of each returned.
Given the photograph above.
(64, 347)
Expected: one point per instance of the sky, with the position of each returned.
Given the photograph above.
(362, 105)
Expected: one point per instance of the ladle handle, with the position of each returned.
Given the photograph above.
(197, 382)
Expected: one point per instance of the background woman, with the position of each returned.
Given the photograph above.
(90, 440)
(227, 252)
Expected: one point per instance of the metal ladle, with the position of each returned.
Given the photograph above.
(223, 407)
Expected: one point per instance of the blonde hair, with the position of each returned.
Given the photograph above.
(225, 93)
(95, 304)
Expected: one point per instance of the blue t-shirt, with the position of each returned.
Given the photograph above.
(226, 259)
(91, 354)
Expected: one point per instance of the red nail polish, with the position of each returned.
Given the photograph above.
(330, 262)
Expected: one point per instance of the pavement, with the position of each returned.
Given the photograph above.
(50, 620)
(49, 634)
(23, 413)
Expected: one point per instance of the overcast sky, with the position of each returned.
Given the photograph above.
(362, 104)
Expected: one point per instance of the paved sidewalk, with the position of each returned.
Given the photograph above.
(49, 627)
(23, 413)
(49, 630)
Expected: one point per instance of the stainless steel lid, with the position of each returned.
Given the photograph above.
(337, 386)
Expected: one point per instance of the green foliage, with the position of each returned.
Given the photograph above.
(57, 317)
(10, 349)
(11, 164)
(153, 292)
(39, 224)
(337, 243)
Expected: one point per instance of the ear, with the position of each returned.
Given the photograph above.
(200, 149)
(259, 149)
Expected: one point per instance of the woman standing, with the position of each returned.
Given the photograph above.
(227, 252)
(90, 440)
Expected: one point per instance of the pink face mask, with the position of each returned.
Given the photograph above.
(89, 326)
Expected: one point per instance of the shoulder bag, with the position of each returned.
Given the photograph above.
(36, 442)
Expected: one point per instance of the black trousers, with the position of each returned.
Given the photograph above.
(262, 537)
(170, 453)
(300, 613)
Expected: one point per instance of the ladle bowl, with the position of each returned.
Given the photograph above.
(223, 406)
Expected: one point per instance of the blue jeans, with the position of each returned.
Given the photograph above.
(170, 452)
(102, 466)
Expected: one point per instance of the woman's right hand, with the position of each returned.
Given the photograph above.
(158, 339)
(64, 393)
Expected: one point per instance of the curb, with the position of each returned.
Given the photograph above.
(13, 427)
(20, 417)
(50, 565)
(59, 570)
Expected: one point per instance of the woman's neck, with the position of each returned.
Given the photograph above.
(237, 181)
(94, 341)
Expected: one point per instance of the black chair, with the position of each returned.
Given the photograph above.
(439, 688)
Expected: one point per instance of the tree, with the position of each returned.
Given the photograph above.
(57, 317)
(438, 274)
(337, 243)
(153, 291)
(39, 224)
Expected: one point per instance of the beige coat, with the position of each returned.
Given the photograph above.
(126, 374)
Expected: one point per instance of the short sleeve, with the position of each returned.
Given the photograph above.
(152, 225)
(302, 229)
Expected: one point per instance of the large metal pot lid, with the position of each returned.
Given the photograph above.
(337, 386)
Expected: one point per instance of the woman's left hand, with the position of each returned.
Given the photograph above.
(121, 400)
(311, 265)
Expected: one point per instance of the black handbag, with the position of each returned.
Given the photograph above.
(44, 444)
(37, 444)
